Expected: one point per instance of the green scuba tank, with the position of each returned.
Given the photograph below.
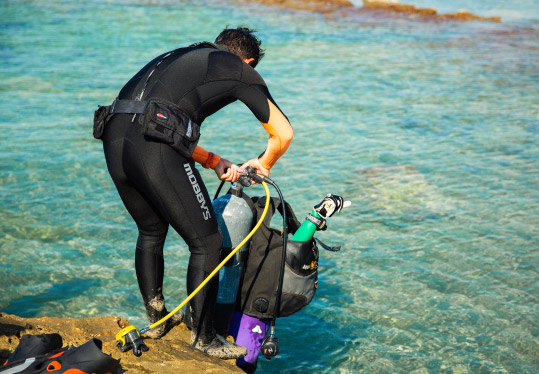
(307, 229)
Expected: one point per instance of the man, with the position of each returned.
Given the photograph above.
(160, 186)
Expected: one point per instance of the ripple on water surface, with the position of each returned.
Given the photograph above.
(430, 129)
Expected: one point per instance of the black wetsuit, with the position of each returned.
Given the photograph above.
(160, 187)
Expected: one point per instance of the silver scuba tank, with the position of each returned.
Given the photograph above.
(235, 219)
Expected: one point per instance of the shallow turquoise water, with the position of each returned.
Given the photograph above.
(429, 128)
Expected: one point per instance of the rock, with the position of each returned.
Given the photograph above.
(333, 8)
(395, 6)
(170, 354)
(464, 15)
(318, 6)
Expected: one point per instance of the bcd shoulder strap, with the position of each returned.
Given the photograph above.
(276, 204)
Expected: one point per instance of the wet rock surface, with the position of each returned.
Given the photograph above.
(170, 354)
(397, 7)
(346, 7)
(318, 6)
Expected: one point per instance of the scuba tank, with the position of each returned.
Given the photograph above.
(235, 218)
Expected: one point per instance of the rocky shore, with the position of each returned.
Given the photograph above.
(171, 354)
(397, 7)
(318, 6)
(329, 7)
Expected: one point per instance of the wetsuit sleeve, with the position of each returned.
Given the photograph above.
(280, 135)
(207, 159)
(255, 94)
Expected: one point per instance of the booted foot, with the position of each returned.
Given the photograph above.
(219, 347)
(155, 310)
(161, 330)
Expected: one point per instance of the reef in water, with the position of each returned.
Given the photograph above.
(346, 7)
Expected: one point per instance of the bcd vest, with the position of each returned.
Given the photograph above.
(259, 286)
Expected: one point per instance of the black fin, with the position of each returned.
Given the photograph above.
(35, 345)
(87, 358)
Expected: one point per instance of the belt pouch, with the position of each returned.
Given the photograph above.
(165, 122)
(101, 116)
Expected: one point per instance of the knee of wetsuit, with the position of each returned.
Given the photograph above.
(206, 252)
(151, 243)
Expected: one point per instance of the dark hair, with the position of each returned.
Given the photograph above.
(242, 42)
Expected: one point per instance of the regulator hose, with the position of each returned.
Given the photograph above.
(270, 344)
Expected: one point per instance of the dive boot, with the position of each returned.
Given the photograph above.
(218, 347)
(155, 310)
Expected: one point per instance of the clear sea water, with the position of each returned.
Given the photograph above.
(429, 128)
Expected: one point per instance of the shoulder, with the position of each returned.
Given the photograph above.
(250, 76)
(224, 66)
